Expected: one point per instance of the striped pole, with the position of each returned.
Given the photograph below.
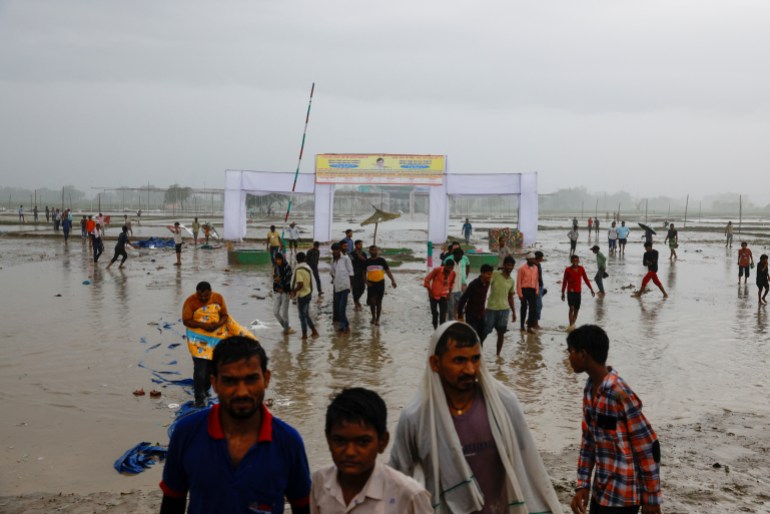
(299, 161)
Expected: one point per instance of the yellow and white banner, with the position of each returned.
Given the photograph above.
(409, 170)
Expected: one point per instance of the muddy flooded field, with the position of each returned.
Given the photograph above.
(77, 340)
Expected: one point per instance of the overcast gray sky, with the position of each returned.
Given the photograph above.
(654, 97)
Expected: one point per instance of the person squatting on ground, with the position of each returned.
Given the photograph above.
(120, 248)
(650, 259)
(467, 433)
(439, 284)
(618, 446)
(281, 291)
(236, 456)
(302, 290)
(601, 269)
(472, 305)
(762, 279)
(358, 259)
(501, 302)
(572, 280)
(356, 433)
(527, 286)
(341, 271)
(376, 269)
(745, 262)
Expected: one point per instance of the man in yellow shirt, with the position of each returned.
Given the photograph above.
(273, 243)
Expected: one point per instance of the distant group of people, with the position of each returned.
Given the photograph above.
(351, 269)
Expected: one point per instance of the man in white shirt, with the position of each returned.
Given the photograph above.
(342, 270)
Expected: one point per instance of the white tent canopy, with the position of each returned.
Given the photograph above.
(240, 183)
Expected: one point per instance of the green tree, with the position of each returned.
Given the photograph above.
(177, 194)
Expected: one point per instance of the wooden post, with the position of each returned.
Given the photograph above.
(740, 212)
(687, 204)
(374, 239)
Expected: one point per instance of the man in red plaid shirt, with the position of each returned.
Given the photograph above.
(619, 446)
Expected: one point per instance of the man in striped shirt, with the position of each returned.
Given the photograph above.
(618, 445)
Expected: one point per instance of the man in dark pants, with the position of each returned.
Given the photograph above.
(358, 258)
(471, 307)
(313, 256)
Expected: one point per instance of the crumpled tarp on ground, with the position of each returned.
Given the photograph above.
(145, 454)
(154, 242)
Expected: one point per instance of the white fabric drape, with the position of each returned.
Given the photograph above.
(240, 183)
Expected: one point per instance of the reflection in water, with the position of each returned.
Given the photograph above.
(599, 309)
(761, 328)
(528, 366)
(671, 277)
(650, 314)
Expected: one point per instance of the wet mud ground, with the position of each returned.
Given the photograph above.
(71, 353)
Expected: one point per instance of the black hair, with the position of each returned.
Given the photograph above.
(272, 228)
(203, 286)
(237, 348)
(574, 256)
(316, 244)
(300, 257)
(125, 228)
(373, 246)
(509, 260)
(358, 405)
(486, 268)
(461, 333)
(357, 241)
(279, 255)
(449, 262)
(539, 255)
(458, 252)
(336, 246)
(592, 339)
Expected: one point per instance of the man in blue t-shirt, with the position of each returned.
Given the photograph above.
(236, 457)
(623, 232)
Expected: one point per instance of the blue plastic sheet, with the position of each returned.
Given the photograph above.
(139, 458)
(154, 242)
(144, 454)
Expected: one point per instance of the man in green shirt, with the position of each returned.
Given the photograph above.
(502, 291)
(601, 264)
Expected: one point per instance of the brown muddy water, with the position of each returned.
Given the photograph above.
(72, 353)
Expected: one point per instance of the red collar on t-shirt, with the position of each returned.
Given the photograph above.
(265, 430)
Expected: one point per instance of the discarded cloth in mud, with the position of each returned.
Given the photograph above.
(139, 458)
(154, 242)
(201, 342)
(144, 454)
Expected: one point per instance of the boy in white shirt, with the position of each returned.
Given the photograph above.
(356, 431)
